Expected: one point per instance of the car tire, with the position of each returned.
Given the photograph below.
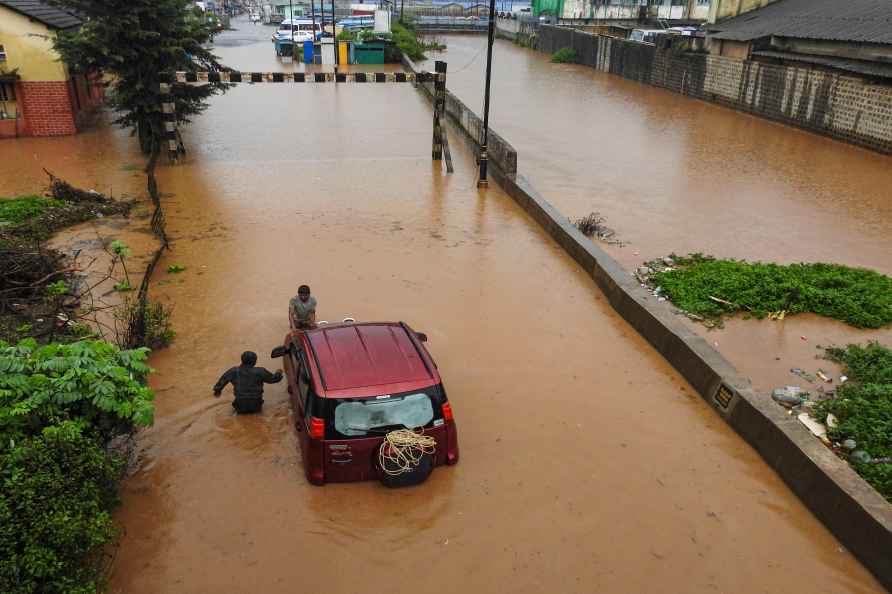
(416, 476)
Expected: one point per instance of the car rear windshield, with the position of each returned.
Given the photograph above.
(364, 417)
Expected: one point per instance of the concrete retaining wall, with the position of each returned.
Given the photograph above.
(856, 514)
(499, 151)
(844, 107)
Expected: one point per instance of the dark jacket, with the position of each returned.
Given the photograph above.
(247, 381)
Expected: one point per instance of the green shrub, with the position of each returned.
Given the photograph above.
(859, 297)
(566, 55)
(407, 42)
(91, 381)
(58, 490)
(863, 407)
(19, 210)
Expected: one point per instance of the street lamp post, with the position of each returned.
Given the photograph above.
(334, 34)
(484, 158)
(291, 16)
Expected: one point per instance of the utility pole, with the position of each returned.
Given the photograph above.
(291, 12)
(334, 34)
(313, 19)
(484, 159)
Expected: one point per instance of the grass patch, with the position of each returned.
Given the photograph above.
(406, 40)
(714, 288)
(863, 407)
(566, 55)
(15, 211)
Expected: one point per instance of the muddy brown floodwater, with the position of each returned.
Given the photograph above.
(588, 464)
(674, 174)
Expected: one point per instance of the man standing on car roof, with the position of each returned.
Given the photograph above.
(303, 309)
(247, 383)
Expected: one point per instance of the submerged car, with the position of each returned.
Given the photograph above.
(353, 383)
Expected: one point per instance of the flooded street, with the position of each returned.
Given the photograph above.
(673, 174)
(588, 464)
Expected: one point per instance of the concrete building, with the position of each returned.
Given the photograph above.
(851, 37)
(39, 96)
(625, 10)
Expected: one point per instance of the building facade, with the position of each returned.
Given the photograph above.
(629, 10)
(39, 96)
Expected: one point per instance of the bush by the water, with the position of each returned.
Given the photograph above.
(407, 42)
(566, 55)
(60, 407)
(713, 288)
(863, 407)
(58, 490)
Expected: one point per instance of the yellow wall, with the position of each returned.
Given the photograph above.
(28, 48)
(722, 9)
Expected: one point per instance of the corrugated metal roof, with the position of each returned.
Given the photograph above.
(40, 11)
(856, 66)
(866, 21)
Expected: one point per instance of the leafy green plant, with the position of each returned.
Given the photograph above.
(346, 35)
(16, 211)
(92, 381)
(57, 288)
(121, 252)
(566, 55)
(175, 268)
(158, 329)
(713, 288)
(407, 42)
(58, 489)
(863, 408)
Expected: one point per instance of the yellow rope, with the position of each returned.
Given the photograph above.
(403, 449)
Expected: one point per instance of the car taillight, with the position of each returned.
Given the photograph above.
(317, 428)
(447, 412)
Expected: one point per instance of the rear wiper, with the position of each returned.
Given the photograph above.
(377, 429)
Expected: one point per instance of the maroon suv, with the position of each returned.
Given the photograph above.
(350, 384)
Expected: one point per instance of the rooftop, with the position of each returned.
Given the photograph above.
(40, 11)
(366, 355)
(864, 21)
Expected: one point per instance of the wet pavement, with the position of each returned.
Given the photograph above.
(587, 465)
(674, 174)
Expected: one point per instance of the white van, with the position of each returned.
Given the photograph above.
(303, 30)
(646, 35)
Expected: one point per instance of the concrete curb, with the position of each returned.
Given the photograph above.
(850, 508)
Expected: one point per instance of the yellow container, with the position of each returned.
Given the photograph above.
(343, 52)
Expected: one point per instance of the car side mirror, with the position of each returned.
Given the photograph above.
(279, 351)
(421, 336)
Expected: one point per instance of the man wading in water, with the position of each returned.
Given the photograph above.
(247, 383)
(303, 309)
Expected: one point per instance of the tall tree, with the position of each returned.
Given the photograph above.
(136, 43)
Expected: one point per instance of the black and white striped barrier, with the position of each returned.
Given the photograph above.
(307, 77)
(168, 106)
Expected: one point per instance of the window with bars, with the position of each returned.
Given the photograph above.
(7, 92)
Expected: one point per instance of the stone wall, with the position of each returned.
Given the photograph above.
(844, 107)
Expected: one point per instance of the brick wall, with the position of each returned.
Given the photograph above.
(46, 108)
(844, 107)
